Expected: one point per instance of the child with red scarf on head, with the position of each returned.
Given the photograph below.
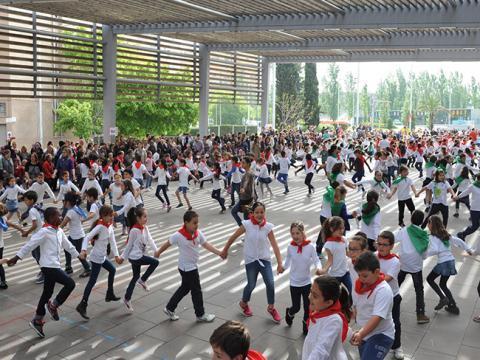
(390, 266)
(231, 341)
(372, 304)
(301, 255)
(259, 237)
(189, 240)
(328, 320)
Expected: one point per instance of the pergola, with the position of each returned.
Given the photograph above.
(281, 31)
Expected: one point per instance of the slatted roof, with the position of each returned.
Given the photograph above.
(274, 28)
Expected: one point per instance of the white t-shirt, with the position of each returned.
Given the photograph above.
(284, 164)
(34, 215)
(324, 340)
(116, 191)
(75, 225)
(410, 260)
(138, 172)
(439, 192)
(339, 252)
(183, 174)
(189, 250)
(373, 229)
(378, 303)
(300, 264)
(403, 189)
(391, 267)
(256, 246)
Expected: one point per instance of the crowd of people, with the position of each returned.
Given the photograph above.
(358, 274)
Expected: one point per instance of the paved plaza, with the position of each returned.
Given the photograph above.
(113, 333)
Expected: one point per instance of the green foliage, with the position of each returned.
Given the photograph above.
(330, 96)
(350, 94)
(288, 83)
(311, 106)
(80, 117)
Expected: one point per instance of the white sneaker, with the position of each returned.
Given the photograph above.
(206, 318)
(128, 304)
(398, 353)
(171, 314)
(143, 284)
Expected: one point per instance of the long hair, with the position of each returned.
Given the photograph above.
(372, 200)
(332, 290)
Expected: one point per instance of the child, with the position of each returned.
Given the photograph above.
(339, 208)
(231, 341)
(100, 235)
(115, 191)
(50, 238)
(264, 177)
(413, 246)
(439, 189)
(390, 266)
(128, 201)
(236, 174)
(371, 219)
(403, 185)
(336, 248)
(328, 321)
(66, 186)
(74, 218)
(138, 239)
(162, 174)
(359, 166)
(216, 176)
(139, 169)
(441, 245)
(309, 166)
(107, 174)
(92, 198)
(41, 187)
(473, 189)
(183, 174)
(284, 165)
(301, 255)
(430, 170)
(11, 195)
(376, 184)
(461, 184)
(188, 239)
(90, 182)
(372, 304)
(357, 245)
(259, 237)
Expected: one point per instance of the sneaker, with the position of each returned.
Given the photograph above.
(40, 278)
(52, 309)
(179, 205)
(453, 309)
(206, 318)
(275, 315)
(461, 236)
(222, 211)
(402, 225)
(37, 325)
(169, 207)
(441, 304)
(288, 318)
(110, 296)
(3, 285)
(422, 319)
(476, 319)
(164, 205)
(305, 327)
(128, 304)
(190, 208)
(171, 314)
(143, 284)
(455, 215)
(398, 353)
(85, 273)
(69, 270)
(245, 309)
(82, 310)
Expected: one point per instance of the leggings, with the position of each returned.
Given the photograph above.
(107, 265)
(442, 290)
(298, 294)
(68, 258)
(464, 200)
(162, 188)
(217, 196)
(434, 209)
(2, 270)
(53, 276)
(308, 182)
(136, 267)
(401, 208)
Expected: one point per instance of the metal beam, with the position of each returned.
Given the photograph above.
(110, 85)
(465, 14)
(394, 56)
(204, 89)
(407, 39)
(264, 102)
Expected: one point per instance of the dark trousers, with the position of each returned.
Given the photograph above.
(396, 320)
(36, 254)
(190, 284)
(319, 237)
(107, 265)
(358, 176)
(442, 291)
(464, 200)
(418, 286)
(475, 218)
(2, 270)
(235, 188)
(136, 267)
(53, 276)
(217, 196)
(239, 208)
(401, 209)
(68, 258)
(419, 167)
(162, 188)
(298, 294)
(435, 209)
(308, 182)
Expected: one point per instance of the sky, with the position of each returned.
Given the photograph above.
(372, 73)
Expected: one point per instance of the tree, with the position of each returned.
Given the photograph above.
(365, 104)
(290, 110)
(288, 82)
(350, 94)
(80, 117)
(330, 95)
(431, 104)
(311, 94)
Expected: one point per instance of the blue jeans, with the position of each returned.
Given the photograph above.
(376, 347)
(282, 178)
(252, 273)
(136, 267)
(107, 265)
(346, 280)
(235, 210)
(234, 189)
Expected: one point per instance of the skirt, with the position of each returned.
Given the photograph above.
(12, 205)
(446, 268)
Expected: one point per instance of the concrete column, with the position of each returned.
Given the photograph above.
(204, 89)
(264, 98)
(110, 84)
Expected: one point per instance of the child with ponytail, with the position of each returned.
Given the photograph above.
(216, 176)
(371, 219)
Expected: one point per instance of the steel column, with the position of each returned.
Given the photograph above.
(265, 82)
(204, 88)
(110, 84)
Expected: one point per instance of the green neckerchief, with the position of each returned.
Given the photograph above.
(328, 196)
(398, 179)
(367, 218)
(429, 164)
(336, 207)
(419, 238)
(459, 180)
(442, 167)
(458, 160)
(333, 177)
(476, 183)
(379, 183)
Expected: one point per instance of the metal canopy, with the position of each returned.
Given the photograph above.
(301, 30)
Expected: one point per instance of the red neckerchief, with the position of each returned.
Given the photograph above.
(255, 222)
(138, 164)
(334, 239)
(105, 169)
(334, 309)
(102, 222)
(309, 164)
(238, 165)
(116, 167)
(187, 235)
(50, 226)
(255, 355)
(138, 226)
(387, 257)
(360, 289)
(92, 162)
(300, 247)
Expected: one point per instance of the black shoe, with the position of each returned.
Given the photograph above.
(85, 273)
(402, 225)
(455, 215)
(179, 205)
(69, 270)
(37, 325)
(461, 236)
(305, 327)
(441, 304)
(110, 296)
(190, 208)
(82, 309)
(52, 309)
(453, 309)
(288, 318)
(3, 285)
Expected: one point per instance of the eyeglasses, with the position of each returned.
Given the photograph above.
(383, 244)
(354, 250)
